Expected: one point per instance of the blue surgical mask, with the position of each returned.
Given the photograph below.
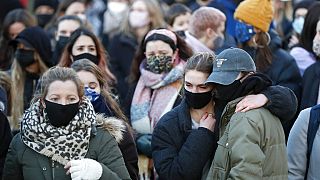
(91, 94)
(297, 24)
(244, 32)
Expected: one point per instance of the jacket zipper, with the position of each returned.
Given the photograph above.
(52, 169)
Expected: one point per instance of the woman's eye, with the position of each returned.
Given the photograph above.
(80, 49)
(53, 99)
(203, 87)
(92, 49)
(72, 99)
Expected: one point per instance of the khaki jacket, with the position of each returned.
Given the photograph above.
(251, 146)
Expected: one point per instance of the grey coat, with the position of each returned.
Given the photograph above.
(297, 150)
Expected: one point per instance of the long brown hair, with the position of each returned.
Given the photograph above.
(263, 58)
(88, 66)
(66, 61)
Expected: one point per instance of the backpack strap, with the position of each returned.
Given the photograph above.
(313, 127)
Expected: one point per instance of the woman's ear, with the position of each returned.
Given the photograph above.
(71, 57)
(175, 57)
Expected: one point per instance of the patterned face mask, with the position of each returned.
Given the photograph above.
(243, 32)
(159, 64)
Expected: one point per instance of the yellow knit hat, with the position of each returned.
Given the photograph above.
(258, 13)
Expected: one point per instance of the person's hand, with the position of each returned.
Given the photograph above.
(208, 121)
(294, 40)
(84, 169)
(251, 102)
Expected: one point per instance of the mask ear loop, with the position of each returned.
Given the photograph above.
(261, 46)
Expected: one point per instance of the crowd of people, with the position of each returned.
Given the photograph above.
(159, 89)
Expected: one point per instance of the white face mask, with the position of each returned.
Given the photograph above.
(138, 19)
(298, 24)
(117, 7)
(316, 47)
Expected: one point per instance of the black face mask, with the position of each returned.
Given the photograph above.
(60, 115)
(89, 56)
(62, 42)
(25, 57)
(43, 19)
(227, 92)
(197, 100)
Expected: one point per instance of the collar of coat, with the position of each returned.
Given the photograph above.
(113, 125)
(227, 113)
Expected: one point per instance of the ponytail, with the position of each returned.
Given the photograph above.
(263, 57)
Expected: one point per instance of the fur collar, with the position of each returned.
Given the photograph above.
(113, 125)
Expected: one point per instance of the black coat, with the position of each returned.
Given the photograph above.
(179, 152)
(310, 86)
(122, 49)
(5, 139)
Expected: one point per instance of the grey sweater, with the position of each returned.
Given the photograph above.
(297, 150)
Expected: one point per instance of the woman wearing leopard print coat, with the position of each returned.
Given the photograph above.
(62, 138)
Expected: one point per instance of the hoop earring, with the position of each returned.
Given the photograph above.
(261, 46)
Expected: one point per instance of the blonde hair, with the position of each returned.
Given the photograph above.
(155, 14)
(6, 83)
(18, 82)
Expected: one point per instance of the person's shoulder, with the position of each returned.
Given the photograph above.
(17, 143)
(109, 127)
(256, 115)
(172, 115)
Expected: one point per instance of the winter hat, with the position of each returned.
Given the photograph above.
(258, 13)
(51, 3)
(35, 37)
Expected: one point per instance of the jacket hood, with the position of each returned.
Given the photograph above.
(113, 125)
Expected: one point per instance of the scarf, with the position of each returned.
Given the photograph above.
(154, 95)
(61, 144)
(253, 84)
